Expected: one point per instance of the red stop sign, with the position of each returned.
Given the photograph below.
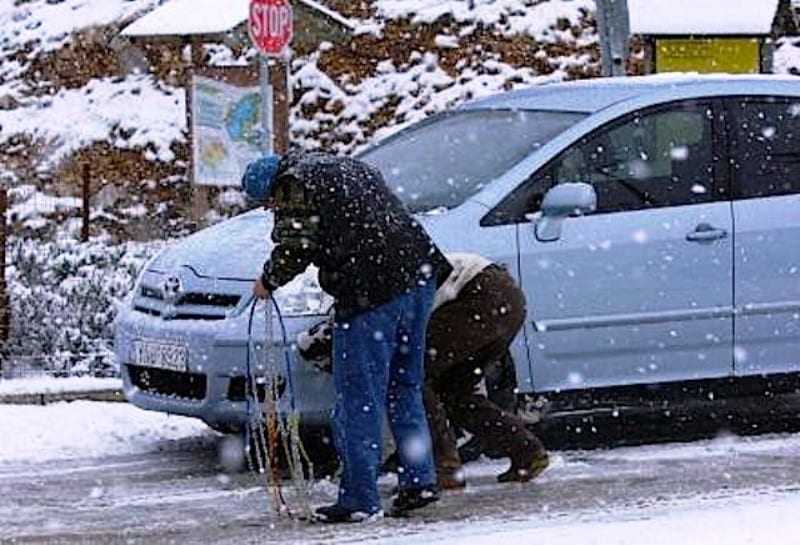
(271, 25)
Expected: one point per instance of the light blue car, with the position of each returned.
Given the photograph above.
(653, 223)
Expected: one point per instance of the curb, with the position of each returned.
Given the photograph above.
(55, 397)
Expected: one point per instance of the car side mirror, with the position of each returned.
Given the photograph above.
(561, 202)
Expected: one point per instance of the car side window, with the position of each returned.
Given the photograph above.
(656, 158)
(765, 146)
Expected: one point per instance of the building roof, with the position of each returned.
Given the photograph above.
(714, 17)
(192, 17)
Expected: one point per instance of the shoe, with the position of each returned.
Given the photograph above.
(334, 514)
(470, 451)
(390, 464)
(451, 479)
(522, 473)
(414, 498)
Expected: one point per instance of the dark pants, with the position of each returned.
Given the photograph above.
(379, 365)
(465, 337)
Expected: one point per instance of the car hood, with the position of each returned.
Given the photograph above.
(237, 248)
(234, 249)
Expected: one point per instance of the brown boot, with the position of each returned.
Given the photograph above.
(527, 470)
(451, 478)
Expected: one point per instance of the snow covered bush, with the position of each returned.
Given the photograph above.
(64, 298)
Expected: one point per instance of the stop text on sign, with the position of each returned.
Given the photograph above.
(271, 25)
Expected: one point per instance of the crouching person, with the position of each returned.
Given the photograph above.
(478, 312)
(382, 270)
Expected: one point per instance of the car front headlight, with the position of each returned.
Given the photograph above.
(301, 297)
(306, 301)
(138, 283)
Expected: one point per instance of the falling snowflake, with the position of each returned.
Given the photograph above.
(575, 378)
(740, 354)
(679, 153)
(416, 449)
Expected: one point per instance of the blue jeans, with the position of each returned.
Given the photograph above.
(379, 365)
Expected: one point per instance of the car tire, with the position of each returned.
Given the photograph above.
(318, 444)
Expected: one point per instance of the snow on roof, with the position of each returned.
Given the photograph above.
(702, 16)
(190, 17)
(182, 17)
(336, 16)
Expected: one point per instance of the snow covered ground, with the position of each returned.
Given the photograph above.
(736, 522)
(84, 429)
(54, 385)
(53, 21)
(134, 477)
(136, 112)
(513, 16)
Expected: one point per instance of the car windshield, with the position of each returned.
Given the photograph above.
(443, 161)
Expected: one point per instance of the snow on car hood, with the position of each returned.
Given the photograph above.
(234, 249)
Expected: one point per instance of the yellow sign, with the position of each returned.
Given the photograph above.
(709, 55)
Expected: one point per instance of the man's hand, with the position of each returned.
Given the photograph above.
(259, 290)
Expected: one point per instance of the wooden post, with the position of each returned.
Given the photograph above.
(188, 77)
(85, 207)
(5, 306)
(199, 205)
(279, 78)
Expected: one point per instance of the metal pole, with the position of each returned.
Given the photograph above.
(266, 105)
(280, 103)
(613, 26)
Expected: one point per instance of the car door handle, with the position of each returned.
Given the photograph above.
(706, 233)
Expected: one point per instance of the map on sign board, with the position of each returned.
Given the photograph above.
(226, 130)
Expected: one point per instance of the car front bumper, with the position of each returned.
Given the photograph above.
(217, 358)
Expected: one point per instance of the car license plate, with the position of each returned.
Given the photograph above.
(172, 357)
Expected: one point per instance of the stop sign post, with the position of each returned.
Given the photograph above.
(271, 25)
(271, 28)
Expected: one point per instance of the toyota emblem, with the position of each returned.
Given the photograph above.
(172, 290)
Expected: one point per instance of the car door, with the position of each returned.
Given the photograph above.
(641, 290)
(765, 147)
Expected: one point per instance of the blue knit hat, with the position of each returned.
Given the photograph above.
(259, 177)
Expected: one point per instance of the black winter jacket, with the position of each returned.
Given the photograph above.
(339, 214)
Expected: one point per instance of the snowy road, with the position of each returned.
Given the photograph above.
(729, 490)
